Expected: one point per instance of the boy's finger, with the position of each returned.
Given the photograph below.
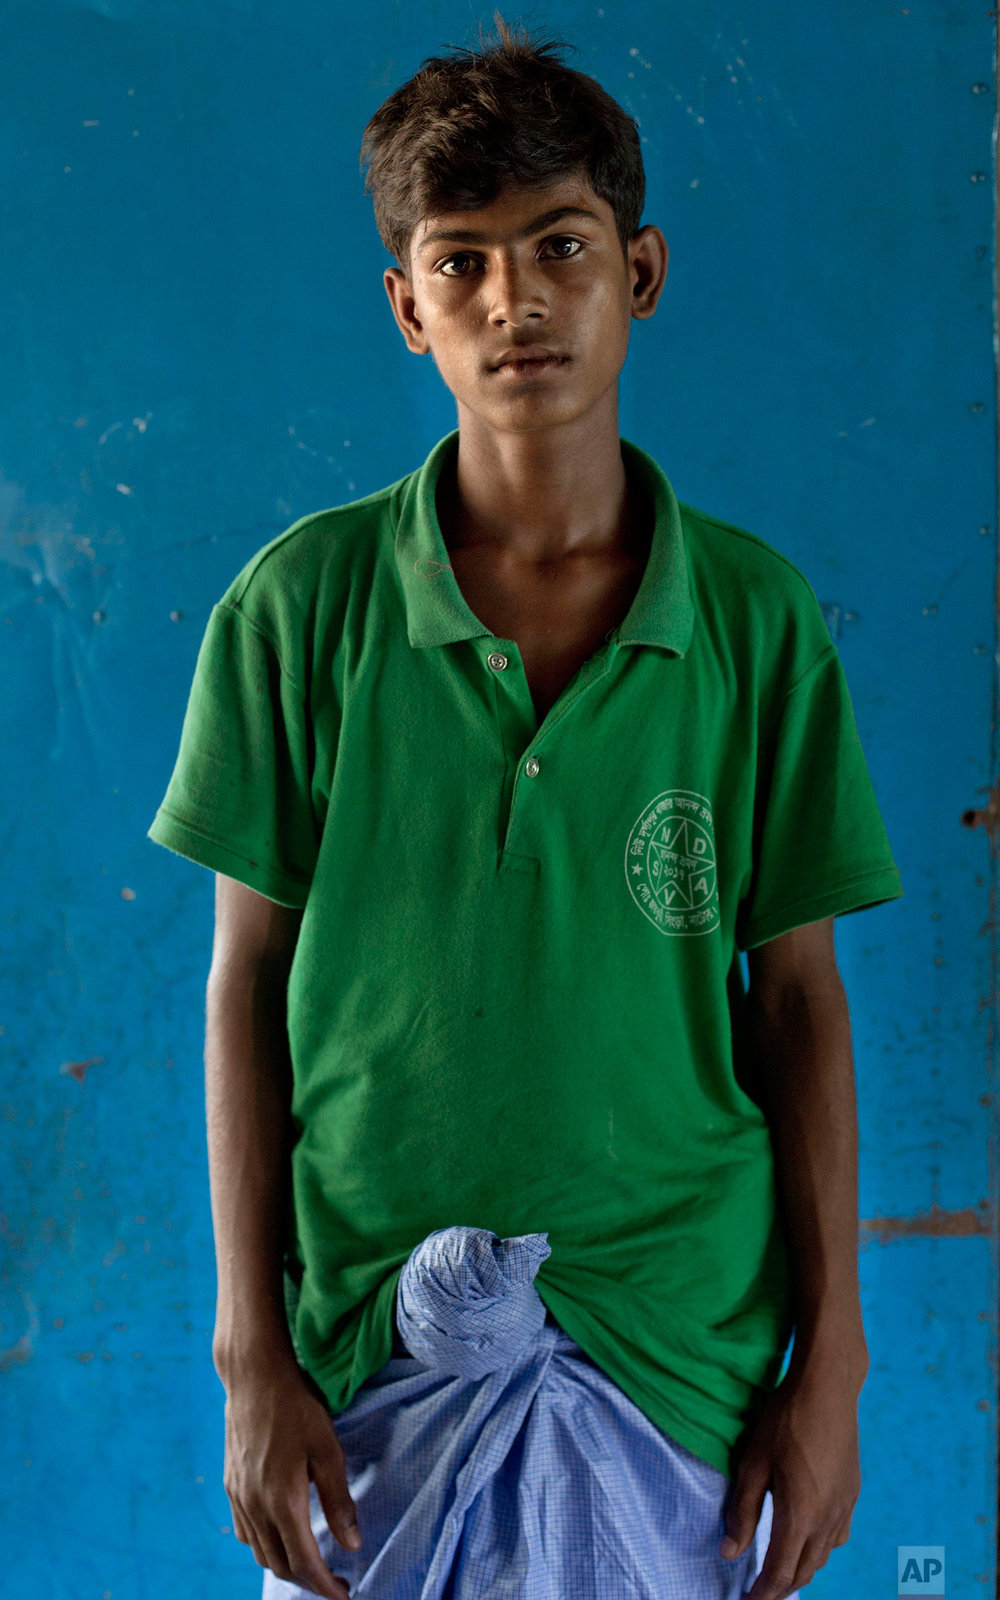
(843, 1533)
(327, 1468)
(776, 1578)
(815, 1554)
(310, 1571)
(250, 1536)
(268, 1542)
(744, 1507)
(305, 1561)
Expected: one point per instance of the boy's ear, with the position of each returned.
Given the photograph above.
(397, 287)
(648, 257)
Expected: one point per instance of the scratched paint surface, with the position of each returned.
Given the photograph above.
(198, 349)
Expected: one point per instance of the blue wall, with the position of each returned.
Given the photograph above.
(197, 350)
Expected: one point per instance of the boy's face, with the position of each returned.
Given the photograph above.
(510, 275)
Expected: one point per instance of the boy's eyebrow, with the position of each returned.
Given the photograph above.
(544, 221)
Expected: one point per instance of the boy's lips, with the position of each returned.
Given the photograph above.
(529, 367)
(528, 352)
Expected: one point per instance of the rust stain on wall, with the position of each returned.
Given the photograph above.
(987, 816)
(937, 1223)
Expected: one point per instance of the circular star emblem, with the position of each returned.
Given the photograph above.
(670, 864)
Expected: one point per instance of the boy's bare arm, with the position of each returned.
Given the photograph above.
(278, 1433)
(804, 1446)
(248, 1093)
(801, 1043)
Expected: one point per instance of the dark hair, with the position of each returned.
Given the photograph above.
(466, 127)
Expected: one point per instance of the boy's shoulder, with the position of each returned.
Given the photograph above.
(731, 554)
(302, 560)
(750, 591)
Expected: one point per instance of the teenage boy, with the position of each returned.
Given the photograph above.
(499, 769)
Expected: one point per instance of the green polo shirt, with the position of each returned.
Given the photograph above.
(516, 996)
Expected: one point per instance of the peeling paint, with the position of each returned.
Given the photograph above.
(22, 1350)
(79, 1069)
(17, 1354)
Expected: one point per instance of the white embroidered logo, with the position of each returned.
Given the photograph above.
(670, 863)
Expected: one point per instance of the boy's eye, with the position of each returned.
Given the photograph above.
(560, 239)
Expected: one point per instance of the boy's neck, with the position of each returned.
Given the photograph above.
(542, 495)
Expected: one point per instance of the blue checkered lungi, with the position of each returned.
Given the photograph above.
(496, 1461)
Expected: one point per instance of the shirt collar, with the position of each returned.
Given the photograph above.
(662, 612)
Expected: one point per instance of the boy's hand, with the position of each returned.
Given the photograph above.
(804, 1448)
(278, 1436)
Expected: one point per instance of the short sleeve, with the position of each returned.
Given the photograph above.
(238, 801)
(820, 845)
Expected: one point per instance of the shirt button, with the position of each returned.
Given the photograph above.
(531, 766)
(497, 661)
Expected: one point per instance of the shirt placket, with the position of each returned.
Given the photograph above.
(529, 746)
